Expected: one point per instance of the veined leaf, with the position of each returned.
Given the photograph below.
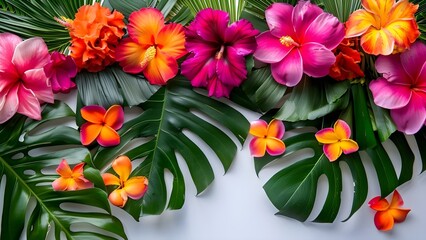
(26, 179)
(166, 114)
(341, 8)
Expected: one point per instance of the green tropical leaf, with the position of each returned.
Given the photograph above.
(28, 179)
(421, 17)
(341, 8)
(167, 115)
(314, 98)
(233, 7)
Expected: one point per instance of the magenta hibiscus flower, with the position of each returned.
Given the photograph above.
(60, 70)
(217, 51)
(299, 41)
(402, 89)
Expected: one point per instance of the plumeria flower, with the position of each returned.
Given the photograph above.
(60, 70)
(152, 47)
(336, 140)
(385, 26)
(134, 187)
(70, 180)
(23, 83)
(402, 89)
(217, 51)
(388, 214)
(267, 138)
(101, 125)
(299, 41)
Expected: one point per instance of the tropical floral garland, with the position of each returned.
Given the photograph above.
(351, 74)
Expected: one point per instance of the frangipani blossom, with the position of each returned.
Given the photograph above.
(299, 41)
(70, 180)
(23, 82)
(267, 138)
(217, 51)
(134, 187)
(101, 125)
(388, 214)
(152, 47)
(385, 26)
(336, 140)
(60, 70)
(402, 89)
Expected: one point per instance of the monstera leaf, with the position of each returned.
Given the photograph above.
(24, 170)
(167, 117)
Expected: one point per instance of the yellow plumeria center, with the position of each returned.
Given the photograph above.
(149, 55)
(288, 41)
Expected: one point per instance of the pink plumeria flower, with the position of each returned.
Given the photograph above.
(267, 138)
(402, 88)
(60, 70)
(299, 41)
(23, 83)
(337, 140)
(217, 51)
(70, 180)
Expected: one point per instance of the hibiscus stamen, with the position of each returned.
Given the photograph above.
(288, 41)
(66, 22)
(149, 55)
(219, 54)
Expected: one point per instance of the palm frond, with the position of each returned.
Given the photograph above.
(233, 7)
(341, 8)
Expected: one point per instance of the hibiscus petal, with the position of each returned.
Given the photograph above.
(377, 42)
(275, 146)
(198, 68)
(258, 147)
(93, 113)
(403, 9)
(123, 167)
(348, 146)
(358, 23)
(110, 179)
(36, 80)
(114, 117)
(332, 151)
(136, 187)
(8, 43)
(378, 204)
(404, 32)
(327, 136)
(144, 25)
(392, 69)
(130, 55)
(289, 71)
(171, 40)
(276, 129)
(258, 128)
(399, 215)
(161, 69)
(317, 59)
(411, 118)
(30, 54)
(389, 95)
(64, 169)
(89, 132)
(383, 221)
(217, 88)
(231, 70)
(413, 60)
(211, 24)
(304, 13)
(241, 34)
(9, 104)
(108, 137)
(381, 7)
(28, 103)
(118, 197)
(269, 48)
(277, 16)
(342, 129)
(325, 30)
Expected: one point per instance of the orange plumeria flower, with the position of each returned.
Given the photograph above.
(336, 140)
(70, 180)
(101, 125)
(388, 214)
(134, 187)
(152, 46)
(385, 26)
(95, 33)
(267, 138)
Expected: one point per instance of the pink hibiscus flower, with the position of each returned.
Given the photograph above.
(402, 88)
(60, 70)
(23, 83)
(299, 41)
(217, 51)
